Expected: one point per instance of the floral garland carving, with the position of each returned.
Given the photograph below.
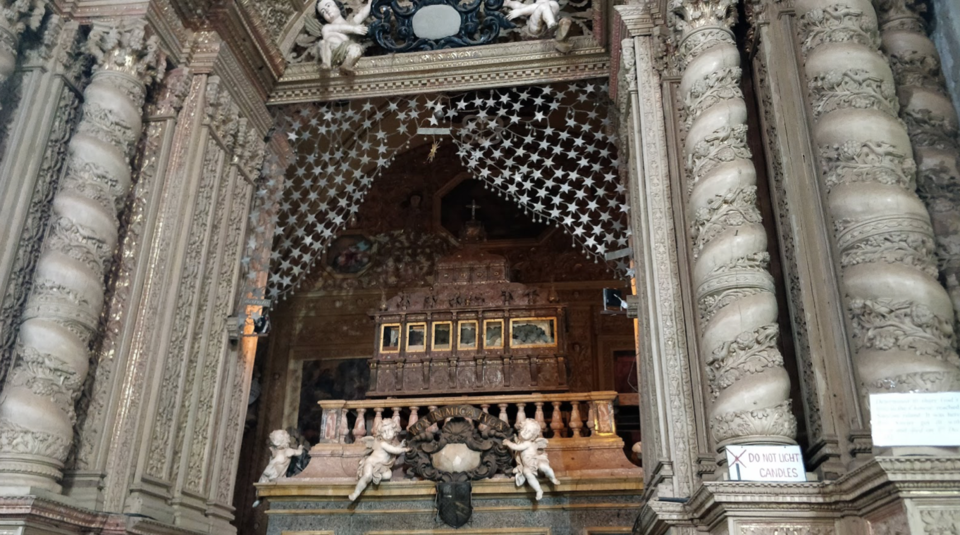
(885, 324)
(869, 161)
(750, 353)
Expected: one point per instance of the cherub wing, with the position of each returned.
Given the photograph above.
(541, 443)
(368, 442)
(313, 26)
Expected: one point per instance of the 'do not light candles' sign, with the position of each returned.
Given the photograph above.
(765, 463)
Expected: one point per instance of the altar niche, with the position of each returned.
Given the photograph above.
(474, 331)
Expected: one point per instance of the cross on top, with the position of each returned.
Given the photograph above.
(473, 206)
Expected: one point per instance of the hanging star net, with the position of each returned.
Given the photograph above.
(551, 149)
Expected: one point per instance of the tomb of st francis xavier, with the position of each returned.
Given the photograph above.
(546, 267)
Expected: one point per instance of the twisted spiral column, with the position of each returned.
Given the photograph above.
(901, 318)
(735, 292)
(931, 119)
(67, 296)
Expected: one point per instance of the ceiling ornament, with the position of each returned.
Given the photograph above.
(551, 149)
(380, 27)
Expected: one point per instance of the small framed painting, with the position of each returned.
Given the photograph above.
(468, 335)
(533, 332)
(390, 338)
(493, 334)
(442, 336)
(416, 337)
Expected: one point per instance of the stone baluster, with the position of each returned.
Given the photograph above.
(503, 412)
(343, 429)
(901, 318)
(414, 416)
(576, 423)
(932, 123)
(63, 308)
(360, 426)
(592, 417)
(15, 17)
(556, 420)
(395, 416)
(749, 387)
(538, 415)
(521, 414)
(377, 420)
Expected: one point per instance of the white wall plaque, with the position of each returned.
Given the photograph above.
(915, 419)
(765, 463)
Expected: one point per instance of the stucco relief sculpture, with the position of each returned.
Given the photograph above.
(528, 452)
(281, 451)
(543, 16)
(383, 451)
(338, 44)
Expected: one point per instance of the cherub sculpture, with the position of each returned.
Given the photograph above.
(542, 16)
(280, 455)
(383, 450)
(337, 43)
(530, 457)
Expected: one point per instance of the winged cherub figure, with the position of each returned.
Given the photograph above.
(530, 457)
(383, 450)
(337, 42)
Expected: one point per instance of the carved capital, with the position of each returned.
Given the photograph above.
(123, 46)
(176, 85)
(777, 421)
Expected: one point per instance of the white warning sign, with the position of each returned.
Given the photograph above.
(765, 463)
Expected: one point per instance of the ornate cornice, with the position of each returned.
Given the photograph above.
(461, 69)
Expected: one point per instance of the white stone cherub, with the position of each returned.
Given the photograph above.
(383, 450)
(543, 16)
(530, 457)
(337, 46)
(280, 454)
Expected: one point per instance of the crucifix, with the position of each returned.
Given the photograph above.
(473, 206)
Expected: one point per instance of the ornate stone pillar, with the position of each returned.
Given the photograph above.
(15, 17)
(749, 386)
(901, 318)
(64, 305)
(931, 120)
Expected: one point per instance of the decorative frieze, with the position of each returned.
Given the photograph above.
(738, 310)
(67, 297)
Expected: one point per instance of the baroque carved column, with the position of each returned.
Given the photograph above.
(748, 384)
(901, 318)
(931, 119)
(64, 305)
(15, 17)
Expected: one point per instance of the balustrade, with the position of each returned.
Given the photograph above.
(559, 415)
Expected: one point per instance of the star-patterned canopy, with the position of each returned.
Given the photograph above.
(551, 149)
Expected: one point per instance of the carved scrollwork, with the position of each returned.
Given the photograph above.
(734, 208)
(726, 144)
(750, 353)
(837, 23)
(20, 439)
(719, 85)
(869, 161)
(853, 88)
(773, 421)
(886, 324)
(494, 456)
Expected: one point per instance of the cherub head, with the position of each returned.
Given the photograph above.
(387, 431)
(329, 10)
(529, 429)
(280, 439)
